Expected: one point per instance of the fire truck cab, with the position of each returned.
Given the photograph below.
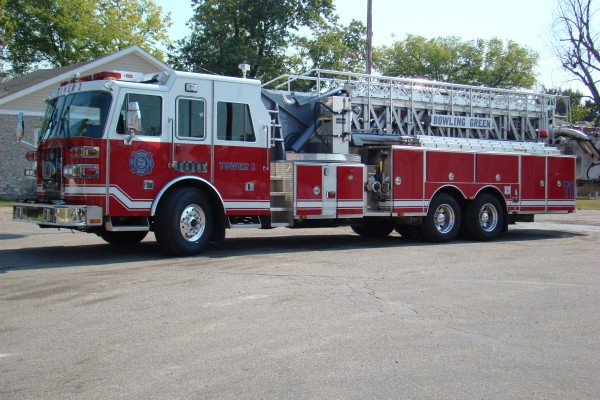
(189, 155)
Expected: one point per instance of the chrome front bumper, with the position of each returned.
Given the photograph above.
(58, 215)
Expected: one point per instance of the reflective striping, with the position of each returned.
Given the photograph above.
(309, 204)
(114, 191)
(350, 204)
(533, 203)
(561, 202)
(406, 203)
(551, 203)
(246, 205)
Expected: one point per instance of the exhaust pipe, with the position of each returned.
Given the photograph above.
(584, 141)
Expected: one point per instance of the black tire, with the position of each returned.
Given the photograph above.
(443, 219)
(373, 228)
(123, 238)
(410, 232)
(358, 230)
(484, 218)
(184, 222)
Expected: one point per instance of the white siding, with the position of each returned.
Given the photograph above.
(34, 102)
(129, 62)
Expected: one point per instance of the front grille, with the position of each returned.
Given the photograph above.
(52, 173)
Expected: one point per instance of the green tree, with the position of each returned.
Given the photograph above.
(6, 33)
(579, 113)
(449, 59)
(575, 97)
(227, 32)
(61, 32)
(331, 46)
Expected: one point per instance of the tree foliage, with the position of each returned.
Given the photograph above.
(331, 46)
(61, 32)
(227, 32)
(576, 44)
(6, 33)
(476, 62)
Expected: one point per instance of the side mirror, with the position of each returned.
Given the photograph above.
(20, 127)
(21, 131)
(134, 117)
(134, 120)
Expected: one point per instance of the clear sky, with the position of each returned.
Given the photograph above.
(527, 22)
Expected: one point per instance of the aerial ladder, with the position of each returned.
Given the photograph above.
(385, 109)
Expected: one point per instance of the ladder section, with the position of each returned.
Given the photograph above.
(503, 146)
(397, 106)
(276, 134)
(282, 193)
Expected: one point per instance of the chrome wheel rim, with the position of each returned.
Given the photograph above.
(488, 217)
(192, 223)
(444, 218)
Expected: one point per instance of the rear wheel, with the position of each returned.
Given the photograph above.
(484, 218)
(443, 219)
(184, 222)
(123, 238)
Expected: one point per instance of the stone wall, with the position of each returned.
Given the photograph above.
(13, 184)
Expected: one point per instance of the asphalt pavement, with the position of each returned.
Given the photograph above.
(303, 314)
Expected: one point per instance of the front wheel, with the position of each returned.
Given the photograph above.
(484, 218)
(184, 222)
(443, 219)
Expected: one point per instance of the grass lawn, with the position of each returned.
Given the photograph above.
(588, 204)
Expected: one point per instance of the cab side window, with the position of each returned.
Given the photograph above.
(234, 122)
(190, 118)
(150, 111)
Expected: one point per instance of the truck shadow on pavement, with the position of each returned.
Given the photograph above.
(106, 255)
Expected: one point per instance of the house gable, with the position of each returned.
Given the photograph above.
(31, 100)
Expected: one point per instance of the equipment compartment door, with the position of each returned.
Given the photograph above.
(350, 192)
(561, 183)
(533, 183)
(407, 181)
(308, 190)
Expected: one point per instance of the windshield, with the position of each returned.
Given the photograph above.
(76, 115)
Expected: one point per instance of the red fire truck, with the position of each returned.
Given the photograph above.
(189, 155)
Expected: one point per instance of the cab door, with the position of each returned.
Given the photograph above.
(137, 164)
(191, 140)
(240, 158)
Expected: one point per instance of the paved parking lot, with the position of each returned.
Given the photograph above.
(306, 314)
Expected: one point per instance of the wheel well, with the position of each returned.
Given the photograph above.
(454, 192)
(210, 191)
(496, 193)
